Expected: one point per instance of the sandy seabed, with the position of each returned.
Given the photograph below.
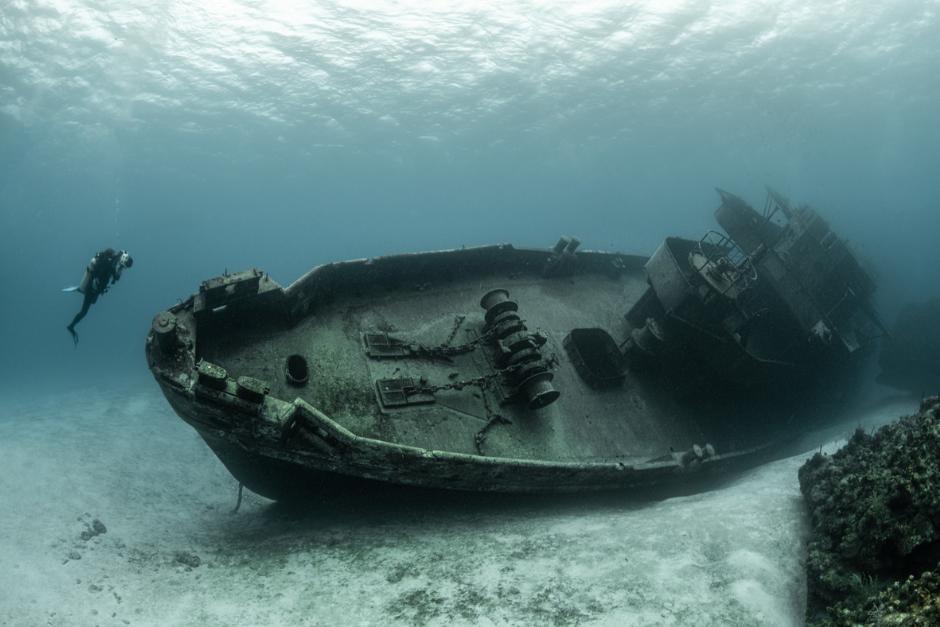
(114, 512)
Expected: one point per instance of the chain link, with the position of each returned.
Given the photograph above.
(481, 381)
(445, 350)
(551, 362)
(458, 320)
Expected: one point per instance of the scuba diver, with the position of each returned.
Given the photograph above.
(103, 271)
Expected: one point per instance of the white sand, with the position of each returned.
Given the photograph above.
(732, 556)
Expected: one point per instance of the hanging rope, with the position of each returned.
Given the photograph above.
(239, 503)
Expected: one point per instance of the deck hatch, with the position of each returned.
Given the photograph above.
(379, 345)
(403, 392)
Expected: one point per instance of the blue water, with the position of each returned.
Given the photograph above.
(222, 135)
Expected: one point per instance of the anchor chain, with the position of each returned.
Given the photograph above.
(458, 320)
(493, 418)
(445, 350)
(482, 381)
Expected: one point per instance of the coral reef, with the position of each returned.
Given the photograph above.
(875, 516)
(913, 602)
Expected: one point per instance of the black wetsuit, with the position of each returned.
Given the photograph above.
(101, 272)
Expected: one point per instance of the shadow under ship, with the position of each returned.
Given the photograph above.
(514, 370)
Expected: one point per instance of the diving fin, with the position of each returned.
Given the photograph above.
(74, 288)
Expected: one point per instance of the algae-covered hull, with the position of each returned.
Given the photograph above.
(491, 369)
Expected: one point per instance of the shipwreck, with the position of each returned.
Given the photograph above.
(515, 370)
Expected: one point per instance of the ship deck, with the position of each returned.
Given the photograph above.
(633, 422)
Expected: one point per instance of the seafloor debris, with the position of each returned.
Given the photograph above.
(875, 513)
(96, 528)
(187, 559)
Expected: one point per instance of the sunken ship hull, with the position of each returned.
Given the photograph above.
(499, 369)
